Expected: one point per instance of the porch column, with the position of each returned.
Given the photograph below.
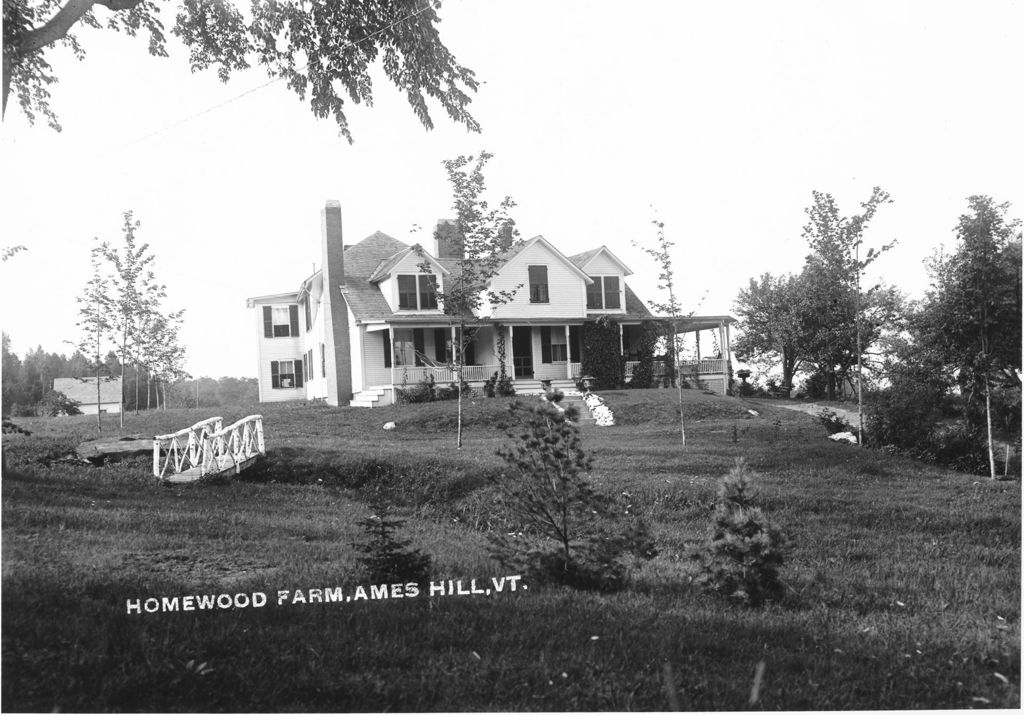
(391, 347)
(725, 359)
(568, 354)
(622, 346)
(510, 362)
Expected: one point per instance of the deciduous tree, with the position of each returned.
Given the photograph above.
(320, 50)
(486, 233)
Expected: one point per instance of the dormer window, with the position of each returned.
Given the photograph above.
(603, 293)
(538, 284)
(417, 292)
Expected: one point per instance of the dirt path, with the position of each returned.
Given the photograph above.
(812, 408)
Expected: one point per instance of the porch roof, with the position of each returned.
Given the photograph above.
(693, 323)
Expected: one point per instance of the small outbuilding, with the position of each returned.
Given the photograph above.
(83, 391)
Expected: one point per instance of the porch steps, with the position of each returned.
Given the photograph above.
(366, 398)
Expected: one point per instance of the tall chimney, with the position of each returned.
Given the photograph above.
(447, 239)
(337, 352)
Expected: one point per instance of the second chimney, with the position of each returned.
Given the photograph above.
(447, 239)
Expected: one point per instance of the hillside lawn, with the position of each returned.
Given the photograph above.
(903, 580)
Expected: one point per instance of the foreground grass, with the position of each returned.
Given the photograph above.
(904, 580)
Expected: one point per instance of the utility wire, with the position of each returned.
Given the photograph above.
(269, 82)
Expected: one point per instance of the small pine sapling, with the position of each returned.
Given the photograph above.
(743, 555)
(549, 492)
(388, 559)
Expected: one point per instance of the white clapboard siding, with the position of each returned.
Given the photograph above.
(565, 287)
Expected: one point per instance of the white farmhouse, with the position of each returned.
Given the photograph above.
(369, 320)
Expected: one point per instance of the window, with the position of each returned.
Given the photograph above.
(309, 315)
(538, 284)
(603, 293)
(428, 292)
(280, 321)
(309, 364)
(409, 347)
(407, 293)
(417, 292)
(285, 374)
(553, 347)
(323, 361)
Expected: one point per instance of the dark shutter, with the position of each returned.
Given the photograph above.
(298, 373)
(268, 322)
(545, 344)
(275, 375)
(418, 344)
(611, 293)
(323, 360)
(387, 347)
(293, 319)
(574, 343)
(440, 345)
(309, 315)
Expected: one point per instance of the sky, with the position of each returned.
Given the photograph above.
(719, 119)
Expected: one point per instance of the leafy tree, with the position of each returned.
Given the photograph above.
(57, 403)
(549, 491)
(972, 314)
(485, 233)
(831, 278)
(771, 317)
(323, 49)
(11, 371)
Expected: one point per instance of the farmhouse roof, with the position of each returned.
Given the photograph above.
(582, 259)
(83, 389)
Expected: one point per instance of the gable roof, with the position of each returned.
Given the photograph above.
(582, 259)
(83, 389)
(511, 254)
(384, 269)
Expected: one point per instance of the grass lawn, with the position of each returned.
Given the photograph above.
(903, 580)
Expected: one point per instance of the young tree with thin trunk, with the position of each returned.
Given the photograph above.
(486, 233)
(972, 315)
(94, 320)
(661, 253)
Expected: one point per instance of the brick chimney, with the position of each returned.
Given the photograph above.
(337, 352)
(447, 239)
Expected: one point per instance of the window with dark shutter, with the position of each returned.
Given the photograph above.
(323, 361)
(594, 294)
(268, 322)
(309, 315)
(298, 372)
(545, 344)
(275, 375)
(611, 293)
(419, 345)
(387, 347)
(538, 284)
(428, 292)
(440, 344)
(407, 292)
(293, 318)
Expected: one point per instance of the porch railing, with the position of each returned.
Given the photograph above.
(710, 366)
(442, 374)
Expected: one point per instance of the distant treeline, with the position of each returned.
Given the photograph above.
(27, 380)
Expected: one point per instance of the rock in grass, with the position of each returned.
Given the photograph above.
(389, 425)
(843, 437)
